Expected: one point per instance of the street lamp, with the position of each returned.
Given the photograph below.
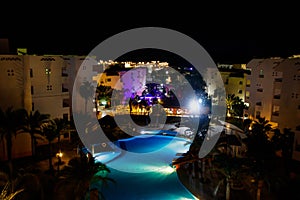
(59, 155)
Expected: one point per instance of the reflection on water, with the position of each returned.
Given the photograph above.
(145, 172)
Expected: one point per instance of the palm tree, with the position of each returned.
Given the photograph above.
(32, 125)
(104, 93)
(61, 125)
(235, 105)
(7, 194)
(284, 142)
(49, 130)
(10, 121)
(30, 184)
(86, 90)
(260, 150)
(231, 169)
(79, 176)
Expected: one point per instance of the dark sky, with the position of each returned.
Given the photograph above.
(228, 39)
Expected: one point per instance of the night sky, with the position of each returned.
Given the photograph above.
(228, 38)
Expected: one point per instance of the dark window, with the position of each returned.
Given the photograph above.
(66, 116)
(277, 96)
(32, 106)
(275, 113)
(241, 82)
(64, 72)
(49, 87)
(10, 72)
(66, 103)
(260, 90)
(32, 90)
(257, 114)
(240, 91)
(64, 89)
(258, 103)
(31, 72)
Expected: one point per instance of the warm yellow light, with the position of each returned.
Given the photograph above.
(59, 155)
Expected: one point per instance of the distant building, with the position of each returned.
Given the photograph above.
(234, 78)
(273, 92)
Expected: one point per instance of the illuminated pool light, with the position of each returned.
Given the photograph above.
(144, 174)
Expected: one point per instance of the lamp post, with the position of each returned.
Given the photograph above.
(59, 155)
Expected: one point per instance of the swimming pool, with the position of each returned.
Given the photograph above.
(142, 169)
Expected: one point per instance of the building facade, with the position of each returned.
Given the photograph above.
(234, 79)
(43, 83)
(273, 92)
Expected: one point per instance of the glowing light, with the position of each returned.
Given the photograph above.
(59, 155)
(167, 170)
(194, 106)
(200, 100)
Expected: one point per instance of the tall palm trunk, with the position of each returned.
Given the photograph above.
(33, 144)
(259, 188)
(228, 188)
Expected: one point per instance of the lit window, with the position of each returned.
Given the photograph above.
(261, 73)
(275, 110)
(47, 71)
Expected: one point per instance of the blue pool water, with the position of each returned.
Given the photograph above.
(142, 170)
